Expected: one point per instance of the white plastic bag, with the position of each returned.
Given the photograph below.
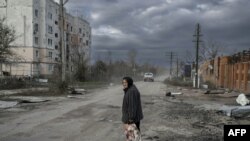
(242, 100)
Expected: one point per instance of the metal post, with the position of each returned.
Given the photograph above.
(177, 67)
(171, 59)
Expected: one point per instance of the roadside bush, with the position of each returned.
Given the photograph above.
(12, 83)
(56, 85)
(178, 82)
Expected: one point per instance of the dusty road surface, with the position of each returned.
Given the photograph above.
(96, 116)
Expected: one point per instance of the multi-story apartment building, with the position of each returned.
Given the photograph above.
(81, 38)
(37, 46)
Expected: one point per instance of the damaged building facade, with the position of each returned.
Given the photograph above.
(232, 72)
(37, 47)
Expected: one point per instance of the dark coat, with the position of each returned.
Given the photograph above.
(131, 106)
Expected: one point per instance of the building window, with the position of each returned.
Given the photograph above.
(87, 42)
(50, 16)
(56, 22)
(67, 27)
(80, 30)
(50, 55)
(56, 47)
(36, 13)
(83, 34)
(50, 67)
(50, 42)
(37, 53)
(80, 40)
(35, 28)
(71, 29)
(50, 29)
(36, 40)
(56, 35)
(67, 37)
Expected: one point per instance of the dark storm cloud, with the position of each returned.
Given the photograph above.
(159, 26)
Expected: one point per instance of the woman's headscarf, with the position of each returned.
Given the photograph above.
(130, 82)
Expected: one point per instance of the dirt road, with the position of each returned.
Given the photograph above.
(96, 116)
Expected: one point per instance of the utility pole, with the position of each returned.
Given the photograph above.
(63, 61)
(177, 65)
(197, 41)
(171, 60)
(171, 55)
(6, 12)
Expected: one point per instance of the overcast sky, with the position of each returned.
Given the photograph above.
(154, 27)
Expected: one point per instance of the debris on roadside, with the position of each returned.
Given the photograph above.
(219, 91)
(173, 93)
(241, 112)
(177, 93)
(15, 100)
(236, 111)
(20, 91)
(242, 100)
(76, 91)
(29, 99)
(227, 110)
(7, 104)
(168, 93)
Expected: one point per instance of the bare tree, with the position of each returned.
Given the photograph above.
(210, 50)
(120, 68)
(132, 56)
(79, 62)
(100, 71)
(132, 59)
(189, 57)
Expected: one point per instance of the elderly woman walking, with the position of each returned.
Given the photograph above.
(131, 109)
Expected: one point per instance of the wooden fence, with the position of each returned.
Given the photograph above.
(231, 72)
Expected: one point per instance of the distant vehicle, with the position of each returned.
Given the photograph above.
(148, 77)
